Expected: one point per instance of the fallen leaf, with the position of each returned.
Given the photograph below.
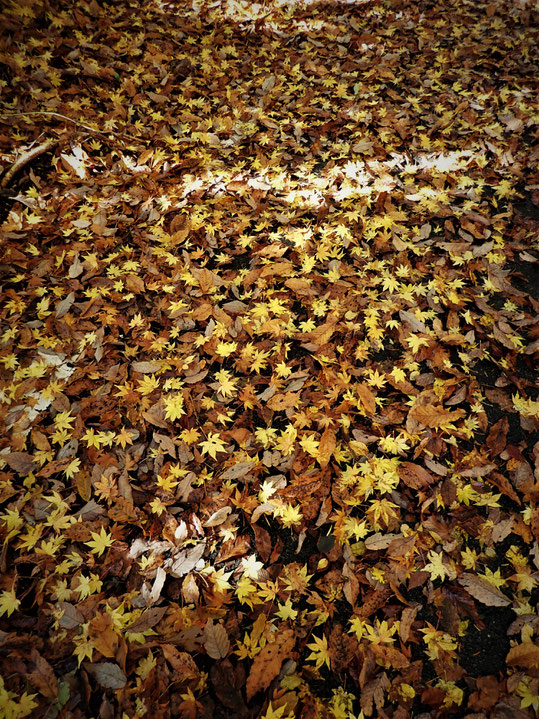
(414, 475)
(107, 674)
(367, 397)
(21, 462)
(267, 663)
(524, 655)
(216, 640)
(42, 676)
(482, 590)
(435, 416)
(186, 560)
(328, 443)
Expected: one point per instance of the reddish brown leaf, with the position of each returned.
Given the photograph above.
(267, 663)
(414, 475)
(497, 437)
(20, 462)
(103, 636)
(41, 675)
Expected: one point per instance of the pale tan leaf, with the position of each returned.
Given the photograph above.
(145, 367)
(218, 517)
(482, 590)
(187, 560)
(63, 307)
(216, 640)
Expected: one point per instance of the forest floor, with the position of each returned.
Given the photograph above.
(268, 350)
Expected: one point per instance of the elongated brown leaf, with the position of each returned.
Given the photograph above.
(267, 663)
(216, 641)
(483, 590)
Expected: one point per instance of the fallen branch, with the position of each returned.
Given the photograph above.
(24, 159)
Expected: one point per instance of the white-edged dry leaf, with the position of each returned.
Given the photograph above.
(158, 583)
(186, 560)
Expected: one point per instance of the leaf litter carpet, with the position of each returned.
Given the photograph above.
(268, 344)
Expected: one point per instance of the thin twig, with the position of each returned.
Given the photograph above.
(49, 113)
(86, 127)
(24, 159)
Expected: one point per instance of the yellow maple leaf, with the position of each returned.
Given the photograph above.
(9, 602)
(212, 445)
(287, 611)
(147, 385)
(72, 468)
(100, 541)
(320, 652)
(174, 407)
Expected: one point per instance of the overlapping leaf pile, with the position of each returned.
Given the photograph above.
(268, 337)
